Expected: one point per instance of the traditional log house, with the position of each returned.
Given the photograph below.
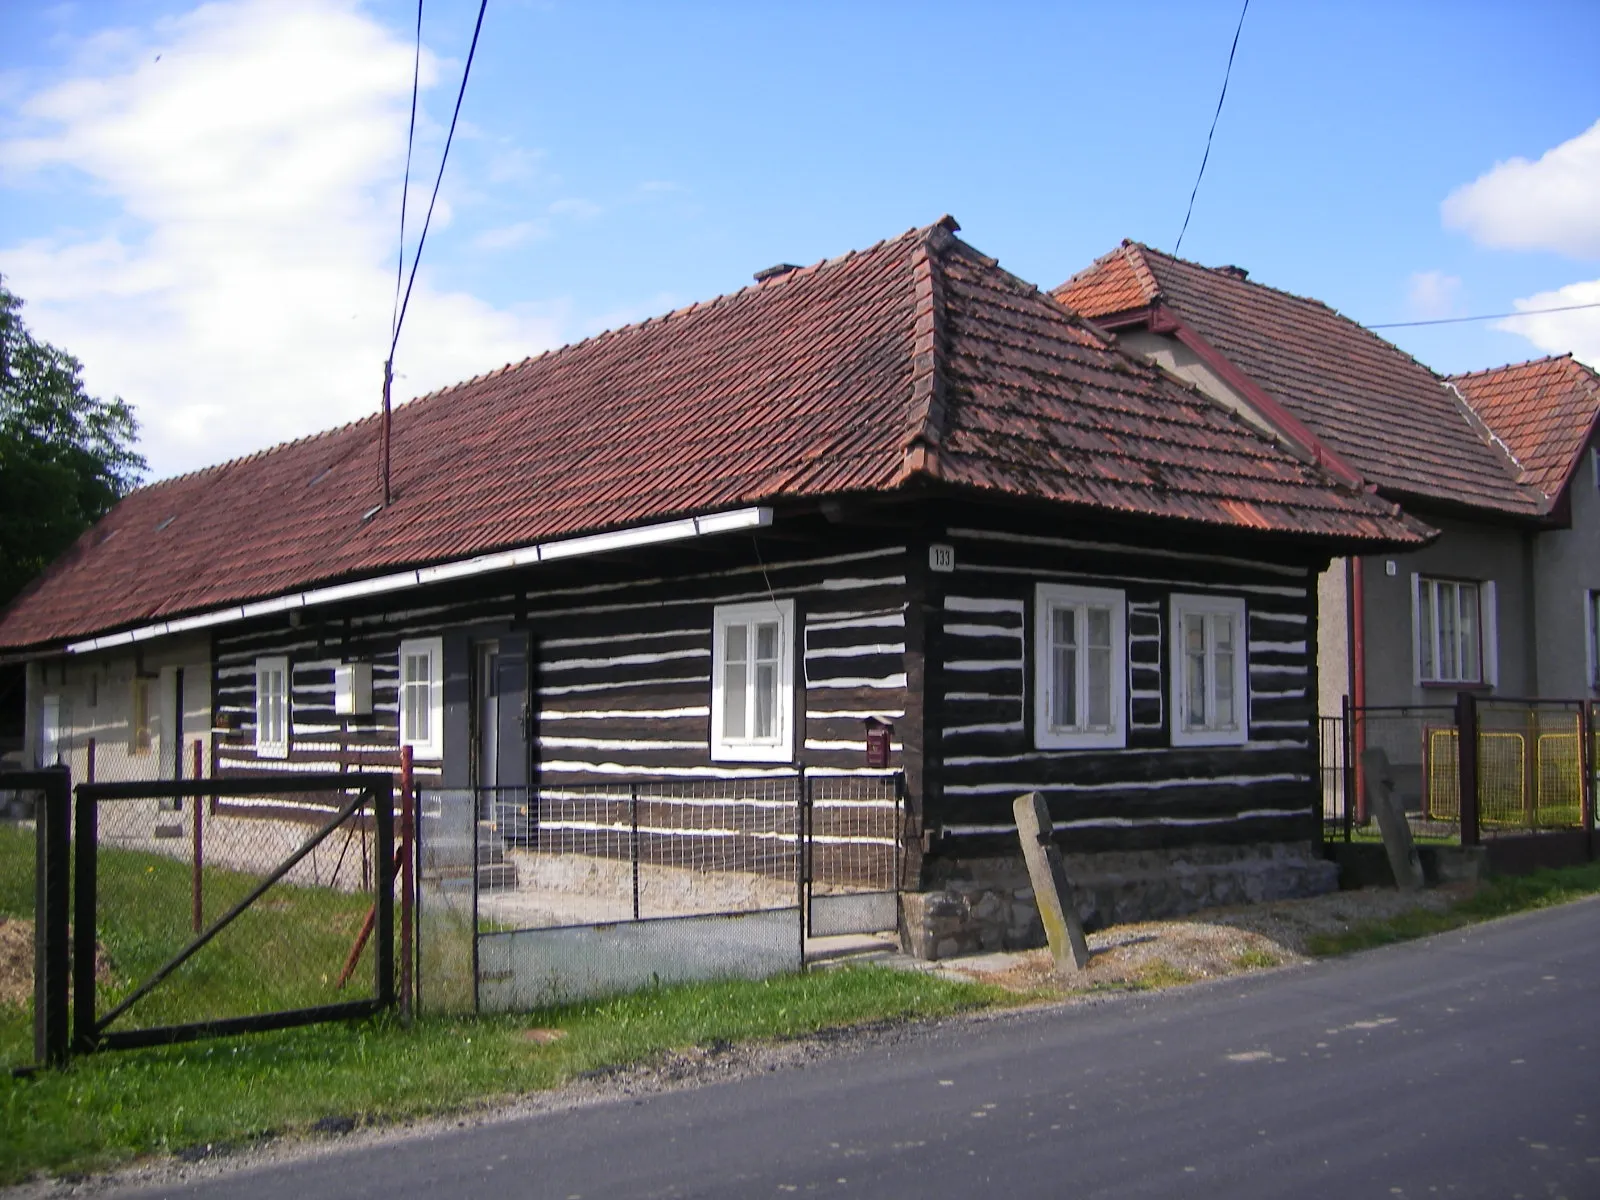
(900, 486)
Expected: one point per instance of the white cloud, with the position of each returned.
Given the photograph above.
(576, 207)
(1433, 294)
(508, 237)
(243, 294)
(1559, 332)
(1551, 204)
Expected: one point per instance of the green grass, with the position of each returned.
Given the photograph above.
(1498, 898)
(285, 951)
(109, 1108)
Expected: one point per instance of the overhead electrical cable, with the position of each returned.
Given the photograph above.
(1206, 157)
(443, 158)
(399, 318)
(405, 186)
(1527, 312)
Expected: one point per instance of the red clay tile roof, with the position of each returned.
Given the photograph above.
(916, 360)
(1545, 411)
(1354, 391)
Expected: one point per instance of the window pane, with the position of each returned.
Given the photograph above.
(766, 700)
(1469, 631)
(1223, 717)
(1064, 687)
(733, 643)
(1099, 661)
(1066, 627)
(1194, 667)
(1425, 627)
(733, 697)
(767, 641)
(1099, 627)
(1448, 663)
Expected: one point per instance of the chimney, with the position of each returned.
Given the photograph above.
(775, 272)
(1232, 272)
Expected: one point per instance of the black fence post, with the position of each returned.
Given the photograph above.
(1347, 742)
(52, 963)
(85, 826)
(633, 844)
(1467, 764)
(802, 849)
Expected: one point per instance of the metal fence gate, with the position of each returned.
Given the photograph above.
(222, 906)
(853, 853)
(543, 895)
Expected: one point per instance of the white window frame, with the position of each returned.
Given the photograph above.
(1233, 608)
(1425, 594)
(1048, 599)
(1591, 630)
(268, 746)
(432, 746)
(780, 746)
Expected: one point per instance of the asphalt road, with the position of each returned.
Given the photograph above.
(1465, 1065)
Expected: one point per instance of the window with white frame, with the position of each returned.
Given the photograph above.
(1210, 671)
(272, 707)
(1591, 621)
(1080, 667)
(422, 697)
(1450, 617)
(752, 682)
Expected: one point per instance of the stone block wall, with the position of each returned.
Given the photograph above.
(978, 905)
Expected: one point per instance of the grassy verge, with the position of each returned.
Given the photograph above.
(1497, 898)
(113, 1107)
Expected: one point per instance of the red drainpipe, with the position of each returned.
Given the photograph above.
(1356, 591)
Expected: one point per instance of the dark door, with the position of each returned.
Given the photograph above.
(500, 720)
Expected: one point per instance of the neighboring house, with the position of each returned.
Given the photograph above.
(1547, 412)
(1400, 628)
(901, 484)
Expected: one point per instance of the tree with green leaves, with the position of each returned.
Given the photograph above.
(65, 456)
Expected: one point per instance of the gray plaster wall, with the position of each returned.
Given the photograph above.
(1566, 569)
(1333, 638)
(1464, 550)
(95, 692)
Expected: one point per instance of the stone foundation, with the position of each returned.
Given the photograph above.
(977, 905)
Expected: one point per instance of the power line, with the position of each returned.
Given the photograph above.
(1527, 312)
(1206, 157)
(405, 187)
(399, 317)
(443, 158)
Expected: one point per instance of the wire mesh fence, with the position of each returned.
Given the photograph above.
(586, 854)
(1534, 772)
(18, 809)
(853, 832)
(230, 900)
(531, 896)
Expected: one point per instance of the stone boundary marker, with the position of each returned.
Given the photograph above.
(1378, 780)
(1051, 890)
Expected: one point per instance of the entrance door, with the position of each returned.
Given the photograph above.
(500, 725)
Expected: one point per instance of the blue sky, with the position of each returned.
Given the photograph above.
(201, 202)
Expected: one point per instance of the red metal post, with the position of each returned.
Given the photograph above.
(1358, 683)
(407, 896)
(198, 810)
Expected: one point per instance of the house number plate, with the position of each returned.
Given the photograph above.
(941, 558)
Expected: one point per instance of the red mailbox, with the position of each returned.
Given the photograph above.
(878, 742)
